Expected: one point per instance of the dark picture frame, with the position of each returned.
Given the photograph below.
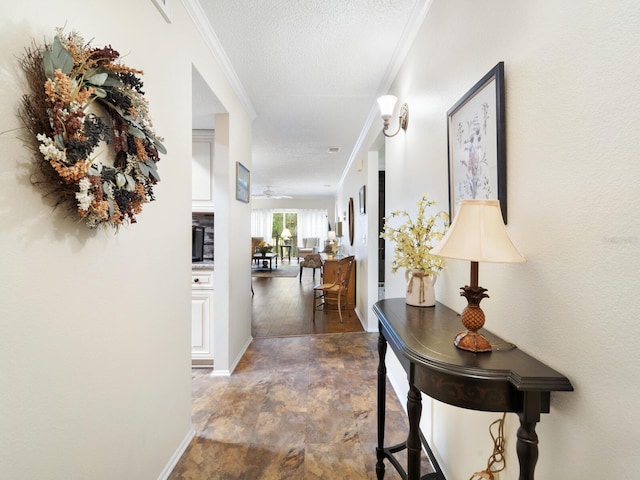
(476, 134)
(362, 199)
(243, 183)
(351, 222)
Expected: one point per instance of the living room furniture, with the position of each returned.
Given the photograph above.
(312, 261)
(505, 380)
(254, 244)
(335, 288)
(288, 249)
(309, 245)
(265, 259)
(330, 272)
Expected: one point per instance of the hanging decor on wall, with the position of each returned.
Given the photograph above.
(477, 143)
(93, 140)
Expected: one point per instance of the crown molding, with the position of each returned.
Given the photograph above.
(412, 28)
(210, 38)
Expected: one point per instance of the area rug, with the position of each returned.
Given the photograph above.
(283, 270)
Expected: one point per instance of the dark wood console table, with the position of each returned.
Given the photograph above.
(504, 380)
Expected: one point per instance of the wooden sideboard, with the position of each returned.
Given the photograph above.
(329, 270)
(504, 380)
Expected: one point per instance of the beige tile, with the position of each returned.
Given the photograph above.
(300, 408)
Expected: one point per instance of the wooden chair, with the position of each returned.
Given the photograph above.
(311, 261)
(336, 290)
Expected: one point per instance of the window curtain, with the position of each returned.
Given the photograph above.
(262, 224)
(312, 223)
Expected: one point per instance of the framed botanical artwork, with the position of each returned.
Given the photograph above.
(362, 196)
(243, 183)
(477, 143)
(164, 7)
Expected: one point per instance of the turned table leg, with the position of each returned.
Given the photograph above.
(414, 446)
(382, 398)
(527, 443)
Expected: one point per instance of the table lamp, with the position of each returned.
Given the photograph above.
(331, 236)
(286, 235)
(477, 234)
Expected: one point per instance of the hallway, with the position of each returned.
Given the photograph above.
(301, 404)
(282, 306)
(299, 407)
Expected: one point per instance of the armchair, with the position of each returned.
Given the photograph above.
(254, 245)
(311, 261)
(309, 246)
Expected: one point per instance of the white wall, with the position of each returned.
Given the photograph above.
(95, 327)
(573, 110)
(362, 172)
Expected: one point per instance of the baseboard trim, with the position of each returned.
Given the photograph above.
(227, 373)
(360, 317)
(173, 461)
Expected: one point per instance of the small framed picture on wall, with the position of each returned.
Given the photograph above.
(363, 199)
(243, 183)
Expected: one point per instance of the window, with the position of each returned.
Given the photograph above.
(282, 220)
(269, 223)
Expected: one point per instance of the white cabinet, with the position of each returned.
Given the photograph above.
(202, 171)
(202, 318)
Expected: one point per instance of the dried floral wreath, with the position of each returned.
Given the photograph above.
(66, 79)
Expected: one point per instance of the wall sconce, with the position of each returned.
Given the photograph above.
(387, 104)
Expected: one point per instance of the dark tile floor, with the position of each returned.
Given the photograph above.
(300, 405)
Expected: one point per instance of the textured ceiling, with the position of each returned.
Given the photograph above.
(312, 70)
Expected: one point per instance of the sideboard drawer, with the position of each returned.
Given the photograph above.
(202, 279)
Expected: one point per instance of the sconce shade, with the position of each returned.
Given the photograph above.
(331, 236)
(387, 103)
(286, 234)
(478, 234)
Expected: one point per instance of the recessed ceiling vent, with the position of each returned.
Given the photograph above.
(333, 149)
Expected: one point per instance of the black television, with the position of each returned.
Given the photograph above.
(197, 244)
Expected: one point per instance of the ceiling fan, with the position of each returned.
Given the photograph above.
(268, 193)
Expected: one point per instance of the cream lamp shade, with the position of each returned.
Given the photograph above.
(286, 234)
(331, 236)
(478, 234)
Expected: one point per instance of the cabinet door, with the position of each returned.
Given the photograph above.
(201, 324)
(202, 171)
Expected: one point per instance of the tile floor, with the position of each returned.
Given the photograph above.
(299, 408)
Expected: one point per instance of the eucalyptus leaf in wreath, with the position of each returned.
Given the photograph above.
(57, 58)
(65, 77)
(98, 79)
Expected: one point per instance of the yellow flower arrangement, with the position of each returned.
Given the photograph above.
(264, 247)
(414, 240)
